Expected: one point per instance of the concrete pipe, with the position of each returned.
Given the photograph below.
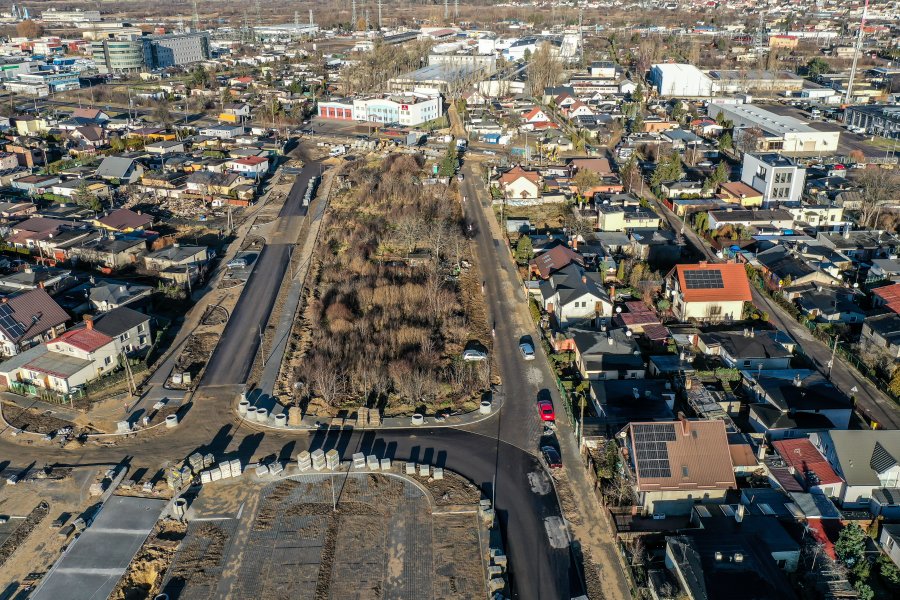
(418, 419)
(262, 415)
(243, 407)
(485, 407)
(280, 420)
(172, 421)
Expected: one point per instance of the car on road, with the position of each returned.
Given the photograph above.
(545, 409)
(237, 263)
(551, 457)
(527, 351)
(472, 354)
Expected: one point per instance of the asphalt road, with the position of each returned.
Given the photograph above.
(233, 357)
(870, 401)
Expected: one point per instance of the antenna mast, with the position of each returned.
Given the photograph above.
(856, 52)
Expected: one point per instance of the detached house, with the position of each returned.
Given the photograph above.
(519, 183)
(125, 170)
(610, 354)
(883, 332)
(573, 294)
(708, 292)
(28, 319)
(754, 350)
(679, 463)
(867, 461)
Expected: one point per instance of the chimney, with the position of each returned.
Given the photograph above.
(797, 381)
(584, 279)
(89, 321)
(761, 452)
(739, 513)
(4, 300)
(41, 284)
(685, 424)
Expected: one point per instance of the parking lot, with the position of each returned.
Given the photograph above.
(849, 142)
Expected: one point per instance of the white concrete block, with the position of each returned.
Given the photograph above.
(372, 462)
(410, 468)
(385, 464)
(438, 473)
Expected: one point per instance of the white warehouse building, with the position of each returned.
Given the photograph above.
(780, 132)
(680, 80)
(410, 109)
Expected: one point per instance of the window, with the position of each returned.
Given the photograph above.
(123, 337)
(106, 361)
(746, 364)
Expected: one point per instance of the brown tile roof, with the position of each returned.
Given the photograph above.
(696, 453)
(36, 311)
(734, 277)
(656, 332)
(738, 189)
(123, 218)
(742, 455)
(600, 166)
(518, 172)
(555, 259)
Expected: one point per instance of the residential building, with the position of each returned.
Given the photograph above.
(252, 166)
(129, 329)
(123, 220)
(864, 459)
(779, 178)
(794, 402)
(741, 194)
(107, 295)
(861, 245)
(760, 218)
(831, 304)
(28, 319)
(677, 464)
(708, 292)
(108, 254)
(889, 540)
(573, 294)
(610, 354)
(519, 183)
(619, 402)
(124, 170)
(883, 332)
(781, 267)
(810, 468)
(550, 261)
(749, 349)
(618, 218)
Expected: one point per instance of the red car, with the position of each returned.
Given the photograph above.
(545, 409)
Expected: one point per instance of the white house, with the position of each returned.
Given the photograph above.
(867, 460)
(519, 183)
(573, 294)
(708, 292)
(253, 166)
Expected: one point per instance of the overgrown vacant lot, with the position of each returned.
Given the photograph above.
(391, 311)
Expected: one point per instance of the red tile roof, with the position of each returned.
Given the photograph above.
(251, 160)
(656, 332)
(518, 172)
(890, 295)
(89, 340)
(805, 458)
(532, 113)
(734, 277)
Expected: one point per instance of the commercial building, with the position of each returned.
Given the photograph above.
(162, 51)
(681, 80)
(68, 17)
(779, 178)
(445, 78)
(133, 53)
(118, 55)
(779, 132)
(880, 119)
(409, 109)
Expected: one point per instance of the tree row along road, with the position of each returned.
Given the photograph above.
(482, 454)
(870, 400)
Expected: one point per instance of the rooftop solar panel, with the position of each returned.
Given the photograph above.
(651, 453)
(9, 323)
(703, 280)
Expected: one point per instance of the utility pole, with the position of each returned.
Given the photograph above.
(367, 19)
(456, 9)
(446, 9)
(379, 15)
(833, 351)
(580, 38)
(856, 52)
(296, 18)
(196, 23)
(353, 24)
(759, 37)
(262, 347)
(311, 21)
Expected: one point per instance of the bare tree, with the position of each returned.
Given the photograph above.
(544, 69)
(326, 381)
(878, 187)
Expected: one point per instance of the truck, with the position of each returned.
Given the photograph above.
(461, 145)
(338, 150)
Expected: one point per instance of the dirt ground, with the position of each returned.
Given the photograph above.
(195, 354)
(542, 216)
(144, 575)
(32, 420)
(35, 553)
(453, 489)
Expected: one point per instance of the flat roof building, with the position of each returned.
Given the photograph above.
(781, 132)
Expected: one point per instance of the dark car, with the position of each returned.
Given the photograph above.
(551, 457)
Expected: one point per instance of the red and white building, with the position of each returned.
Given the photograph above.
(411, 109)
(249, 165)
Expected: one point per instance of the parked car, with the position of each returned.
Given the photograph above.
(551, 457)
(527, 351)
(545, 409)
(237, 263)
(474, 355)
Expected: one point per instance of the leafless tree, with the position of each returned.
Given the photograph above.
(326, 381)
(409, 230)
(544, 69)
(878, 187)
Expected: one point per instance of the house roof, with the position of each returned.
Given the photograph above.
(113, 292)
(250, 160)
(119, 320)
(739, 189)
(29, 314)
(797, 390)
(600, 166)
(571, 283)
(724, 282)
(57, 364)
(556, 258)
(123, 218)
(532, 113)
(114, 167)
(761, 344)
(807, 461)
(857, 451)
(681, 455)
(890, 295)
(783, 264)
(829, 300)
(517, 173)
(84, 339)
(87, 113)
(92, 133)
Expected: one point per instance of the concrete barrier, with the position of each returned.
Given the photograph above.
(372, 462)
(318, 459)
(424, 470)
(385, 464)
(262, 415)
(438, 473)
(359, 461)
(332, 459)
(410, 468)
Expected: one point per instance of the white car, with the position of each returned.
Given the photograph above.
(527, 351)
(472, 355)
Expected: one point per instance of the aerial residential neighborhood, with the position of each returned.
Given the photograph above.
(454, 300)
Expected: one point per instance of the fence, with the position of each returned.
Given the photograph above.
(29, 389)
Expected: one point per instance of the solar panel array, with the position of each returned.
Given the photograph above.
(651, 454)
(703, 280)
(9, 323)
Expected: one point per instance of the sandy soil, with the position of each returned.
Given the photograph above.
(144, 574)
